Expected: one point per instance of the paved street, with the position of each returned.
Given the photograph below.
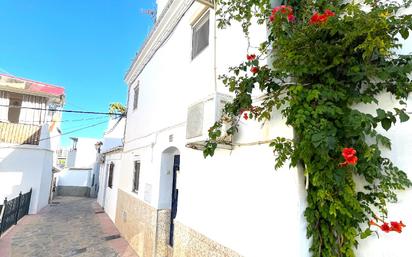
(71, 227)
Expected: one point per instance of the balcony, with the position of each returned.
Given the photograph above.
(14, 133)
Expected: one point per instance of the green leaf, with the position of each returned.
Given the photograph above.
(404, 33)
(386, 124)
(403, 116)
(366, 233)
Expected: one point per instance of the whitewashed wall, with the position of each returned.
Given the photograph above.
(75, 177)
(107, 197)
(85, 154)
(235, 198)
(25, 167)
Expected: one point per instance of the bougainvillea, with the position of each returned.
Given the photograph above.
(329, 59)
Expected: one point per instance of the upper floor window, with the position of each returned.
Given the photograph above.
(135, 97)
(15, 108)
(136, 176)
(200, 35)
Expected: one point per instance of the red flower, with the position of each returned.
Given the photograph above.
(348, 152)
(397, 226)
(385, 227)
(321, 18)
(291, 18)
(251, 57)
(349, 155)
(372, 223)
(352, 160)
(272, 18)
(254, 69)
(329, 13)
(245, 116)
(284, 10)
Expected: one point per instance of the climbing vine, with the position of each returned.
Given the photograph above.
(327, 59)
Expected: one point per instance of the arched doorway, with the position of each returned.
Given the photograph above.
(169, 193)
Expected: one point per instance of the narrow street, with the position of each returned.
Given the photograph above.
(71, 226)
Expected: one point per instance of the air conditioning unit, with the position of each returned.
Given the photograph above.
(201, 116)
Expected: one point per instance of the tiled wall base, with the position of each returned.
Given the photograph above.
(189, 243)
(137, 221)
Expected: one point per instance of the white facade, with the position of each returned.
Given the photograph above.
(83, 153)
(24, 167)
(107, 196)
(236, 198)
(26, 149)
(111, 154)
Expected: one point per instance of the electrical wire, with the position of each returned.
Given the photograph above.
(63, 134)
(114, 126)
(75, 120)
(72, 131)
(57, 110)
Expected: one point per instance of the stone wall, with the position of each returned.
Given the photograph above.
(189, 243)
(73, 191)
(136, 221)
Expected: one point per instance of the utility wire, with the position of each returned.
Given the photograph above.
(75, 120)
(72, 131)
(63, 134)
(114, 126)
(57, 110)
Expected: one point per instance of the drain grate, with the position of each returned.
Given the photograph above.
(77, 251)
(55, 202)
(97, 212)
(108, 238)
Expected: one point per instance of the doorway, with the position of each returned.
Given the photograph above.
(175, 197)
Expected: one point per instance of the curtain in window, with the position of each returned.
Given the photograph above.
(4, 102)
(30, 112)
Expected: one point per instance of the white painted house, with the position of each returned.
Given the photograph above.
(173, 202)
(28, 135)
(110, 166)
(80, 176)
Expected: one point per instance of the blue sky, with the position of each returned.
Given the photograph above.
(85, 46)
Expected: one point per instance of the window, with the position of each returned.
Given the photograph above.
(136, 176)
(15, 108)
(110, 181)
(135, 97)
(200, 35)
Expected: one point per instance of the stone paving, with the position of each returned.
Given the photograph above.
(71, 227)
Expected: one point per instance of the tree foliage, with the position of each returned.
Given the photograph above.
(321, 69)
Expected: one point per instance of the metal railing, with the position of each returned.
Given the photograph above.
(16, 133)
(13, 210)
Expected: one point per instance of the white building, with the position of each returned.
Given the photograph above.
(80, 176)
(28, 135)
(173, 202)
(110, 166)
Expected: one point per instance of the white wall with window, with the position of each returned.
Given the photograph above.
(235, 198)
(109, 175)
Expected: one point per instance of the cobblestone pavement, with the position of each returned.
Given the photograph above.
(68, 228)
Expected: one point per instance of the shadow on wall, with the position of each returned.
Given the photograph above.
(24, 167)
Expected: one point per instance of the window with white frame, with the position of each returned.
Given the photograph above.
(136, 175)
(200, 35)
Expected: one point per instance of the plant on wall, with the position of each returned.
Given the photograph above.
(327, 59)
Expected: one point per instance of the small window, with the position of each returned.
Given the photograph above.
(200, 35)
(135, 97)
(136, 176)
(110, 181)
(14, 110)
